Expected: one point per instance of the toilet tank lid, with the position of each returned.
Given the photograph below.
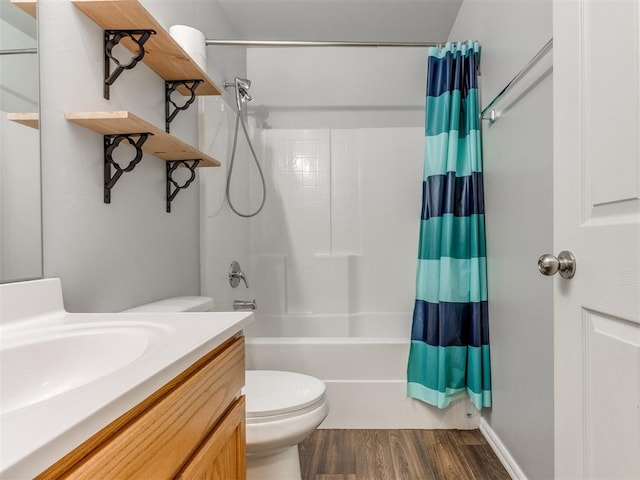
(175, 304)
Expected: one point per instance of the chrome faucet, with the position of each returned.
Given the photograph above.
(236, 274)
(244, 304)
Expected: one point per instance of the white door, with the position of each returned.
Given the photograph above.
(597, 217)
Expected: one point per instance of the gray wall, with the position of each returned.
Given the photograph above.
(224, 235)
(20, 236)
(519, 215)
(111, 257)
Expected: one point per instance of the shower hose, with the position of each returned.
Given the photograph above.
(240, 120)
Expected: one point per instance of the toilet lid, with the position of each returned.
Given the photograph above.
(272, 392)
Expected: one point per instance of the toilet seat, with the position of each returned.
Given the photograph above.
(282, 409)
(279, 394)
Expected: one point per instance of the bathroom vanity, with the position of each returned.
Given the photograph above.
(193, 427)
(126, 395)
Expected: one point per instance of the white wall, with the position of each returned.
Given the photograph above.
(111, 257)
(519, 211)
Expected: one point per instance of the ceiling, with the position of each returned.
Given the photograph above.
(342, 20)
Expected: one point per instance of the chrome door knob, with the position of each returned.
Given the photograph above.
(565, 263)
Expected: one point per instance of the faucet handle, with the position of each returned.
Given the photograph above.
(236, 274)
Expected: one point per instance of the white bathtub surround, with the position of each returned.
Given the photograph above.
(333, 258)
(269, 278)
(44, 415)
(340, 229)
(396, 325)
(362, 358)
(327, 276)
(337, 239)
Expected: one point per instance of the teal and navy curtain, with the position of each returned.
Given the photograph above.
(449, 355)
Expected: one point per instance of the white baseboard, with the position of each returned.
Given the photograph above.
(510, 465)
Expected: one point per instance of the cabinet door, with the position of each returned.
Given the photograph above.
(154, 439)
(222, 456)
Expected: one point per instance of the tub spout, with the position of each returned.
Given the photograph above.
(244, 304)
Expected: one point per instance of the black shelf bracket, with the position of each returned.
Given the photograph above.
(171, 167)
(113, 38)
(111, 142)
(170, 86)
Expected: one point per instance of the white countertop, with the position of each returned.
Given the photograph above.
(35, 436)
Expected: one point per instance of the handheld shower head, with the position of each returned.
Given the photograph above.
(242, 86)
(243, 83)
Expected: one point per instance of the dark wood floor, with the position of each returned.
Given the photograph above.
(398, 455)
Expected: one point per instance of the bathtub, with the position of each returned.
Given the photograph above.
(362, 360)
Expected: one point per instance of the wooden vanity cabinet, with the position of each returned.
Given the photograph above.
(222, 454)
(193, 427)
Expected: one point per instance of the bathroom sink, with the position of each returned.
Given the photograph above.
(38, 365)
(65, 376)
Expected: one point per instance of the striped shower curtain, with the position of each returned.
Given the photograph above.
(449, 354)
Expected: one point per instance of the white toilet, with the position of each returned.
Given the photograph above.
(283, 408)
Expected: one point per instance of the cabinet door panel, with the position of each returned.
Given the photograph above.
(156, 443)
(222, 456)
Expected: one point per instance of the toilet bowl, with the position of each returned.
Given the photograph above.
(282, 408)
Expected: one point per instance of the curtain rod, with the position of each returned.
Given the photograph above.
(536, 58)
(19, 51)
(280, 43)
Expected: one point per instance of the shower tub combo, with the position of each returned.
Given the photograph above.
(362, 358)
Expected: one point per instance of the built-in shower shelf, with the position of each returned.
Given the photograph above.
(160, 144)
(161, 52)
(28, 6)
(29, 119)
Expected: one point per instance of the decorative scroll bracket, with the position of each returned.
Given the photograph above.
(169, 88)
(113, 38)
(111, 142)
(171, 167)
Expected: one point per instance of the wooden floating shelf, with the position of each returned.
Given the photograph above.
(160, 144)
(29, 119)
(28, 6)
(162, 53)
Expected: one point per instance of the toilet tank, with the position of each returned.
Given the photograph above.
(175, 304)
